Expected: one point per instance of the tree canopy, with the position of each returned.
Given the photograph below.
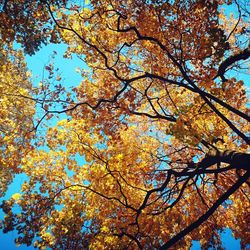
(153, 152)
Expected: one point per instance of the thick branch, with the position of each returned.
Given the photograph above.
(185, 75)
(208, 95)
(205, 216)
(243, 55)
(235, 159)
(218, 113)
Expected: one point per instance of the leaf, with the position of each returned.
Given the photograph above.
(129, 156)
(16, 196)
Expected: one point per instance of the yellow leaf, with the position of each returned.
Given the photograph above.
(16, 196)
(104, 229)
(28, 74)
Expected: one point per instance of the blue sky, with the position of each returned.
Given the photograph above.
(71, 78)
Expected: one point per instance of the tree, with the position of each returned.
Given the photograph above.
(16, 114)
(27, 23)
(153, 153)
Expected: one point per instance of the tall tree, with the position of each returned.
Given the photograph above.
(154, 153)
(16, 114)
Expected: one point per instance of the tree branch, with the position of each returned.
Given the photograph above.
(209, 212)
(243, 55)
(241, 160)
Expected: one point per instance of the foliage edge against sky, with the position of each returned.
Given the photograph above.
(153, 151)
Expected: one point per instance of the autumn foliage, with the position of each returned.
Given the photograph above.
(16, 114)
(153, 152)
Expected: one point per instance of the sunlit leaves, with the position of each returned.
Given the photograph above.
(143, 151)
(16, 196)
(16, 114)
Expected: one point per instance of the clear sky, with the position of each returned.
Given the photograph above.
(70, 78)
